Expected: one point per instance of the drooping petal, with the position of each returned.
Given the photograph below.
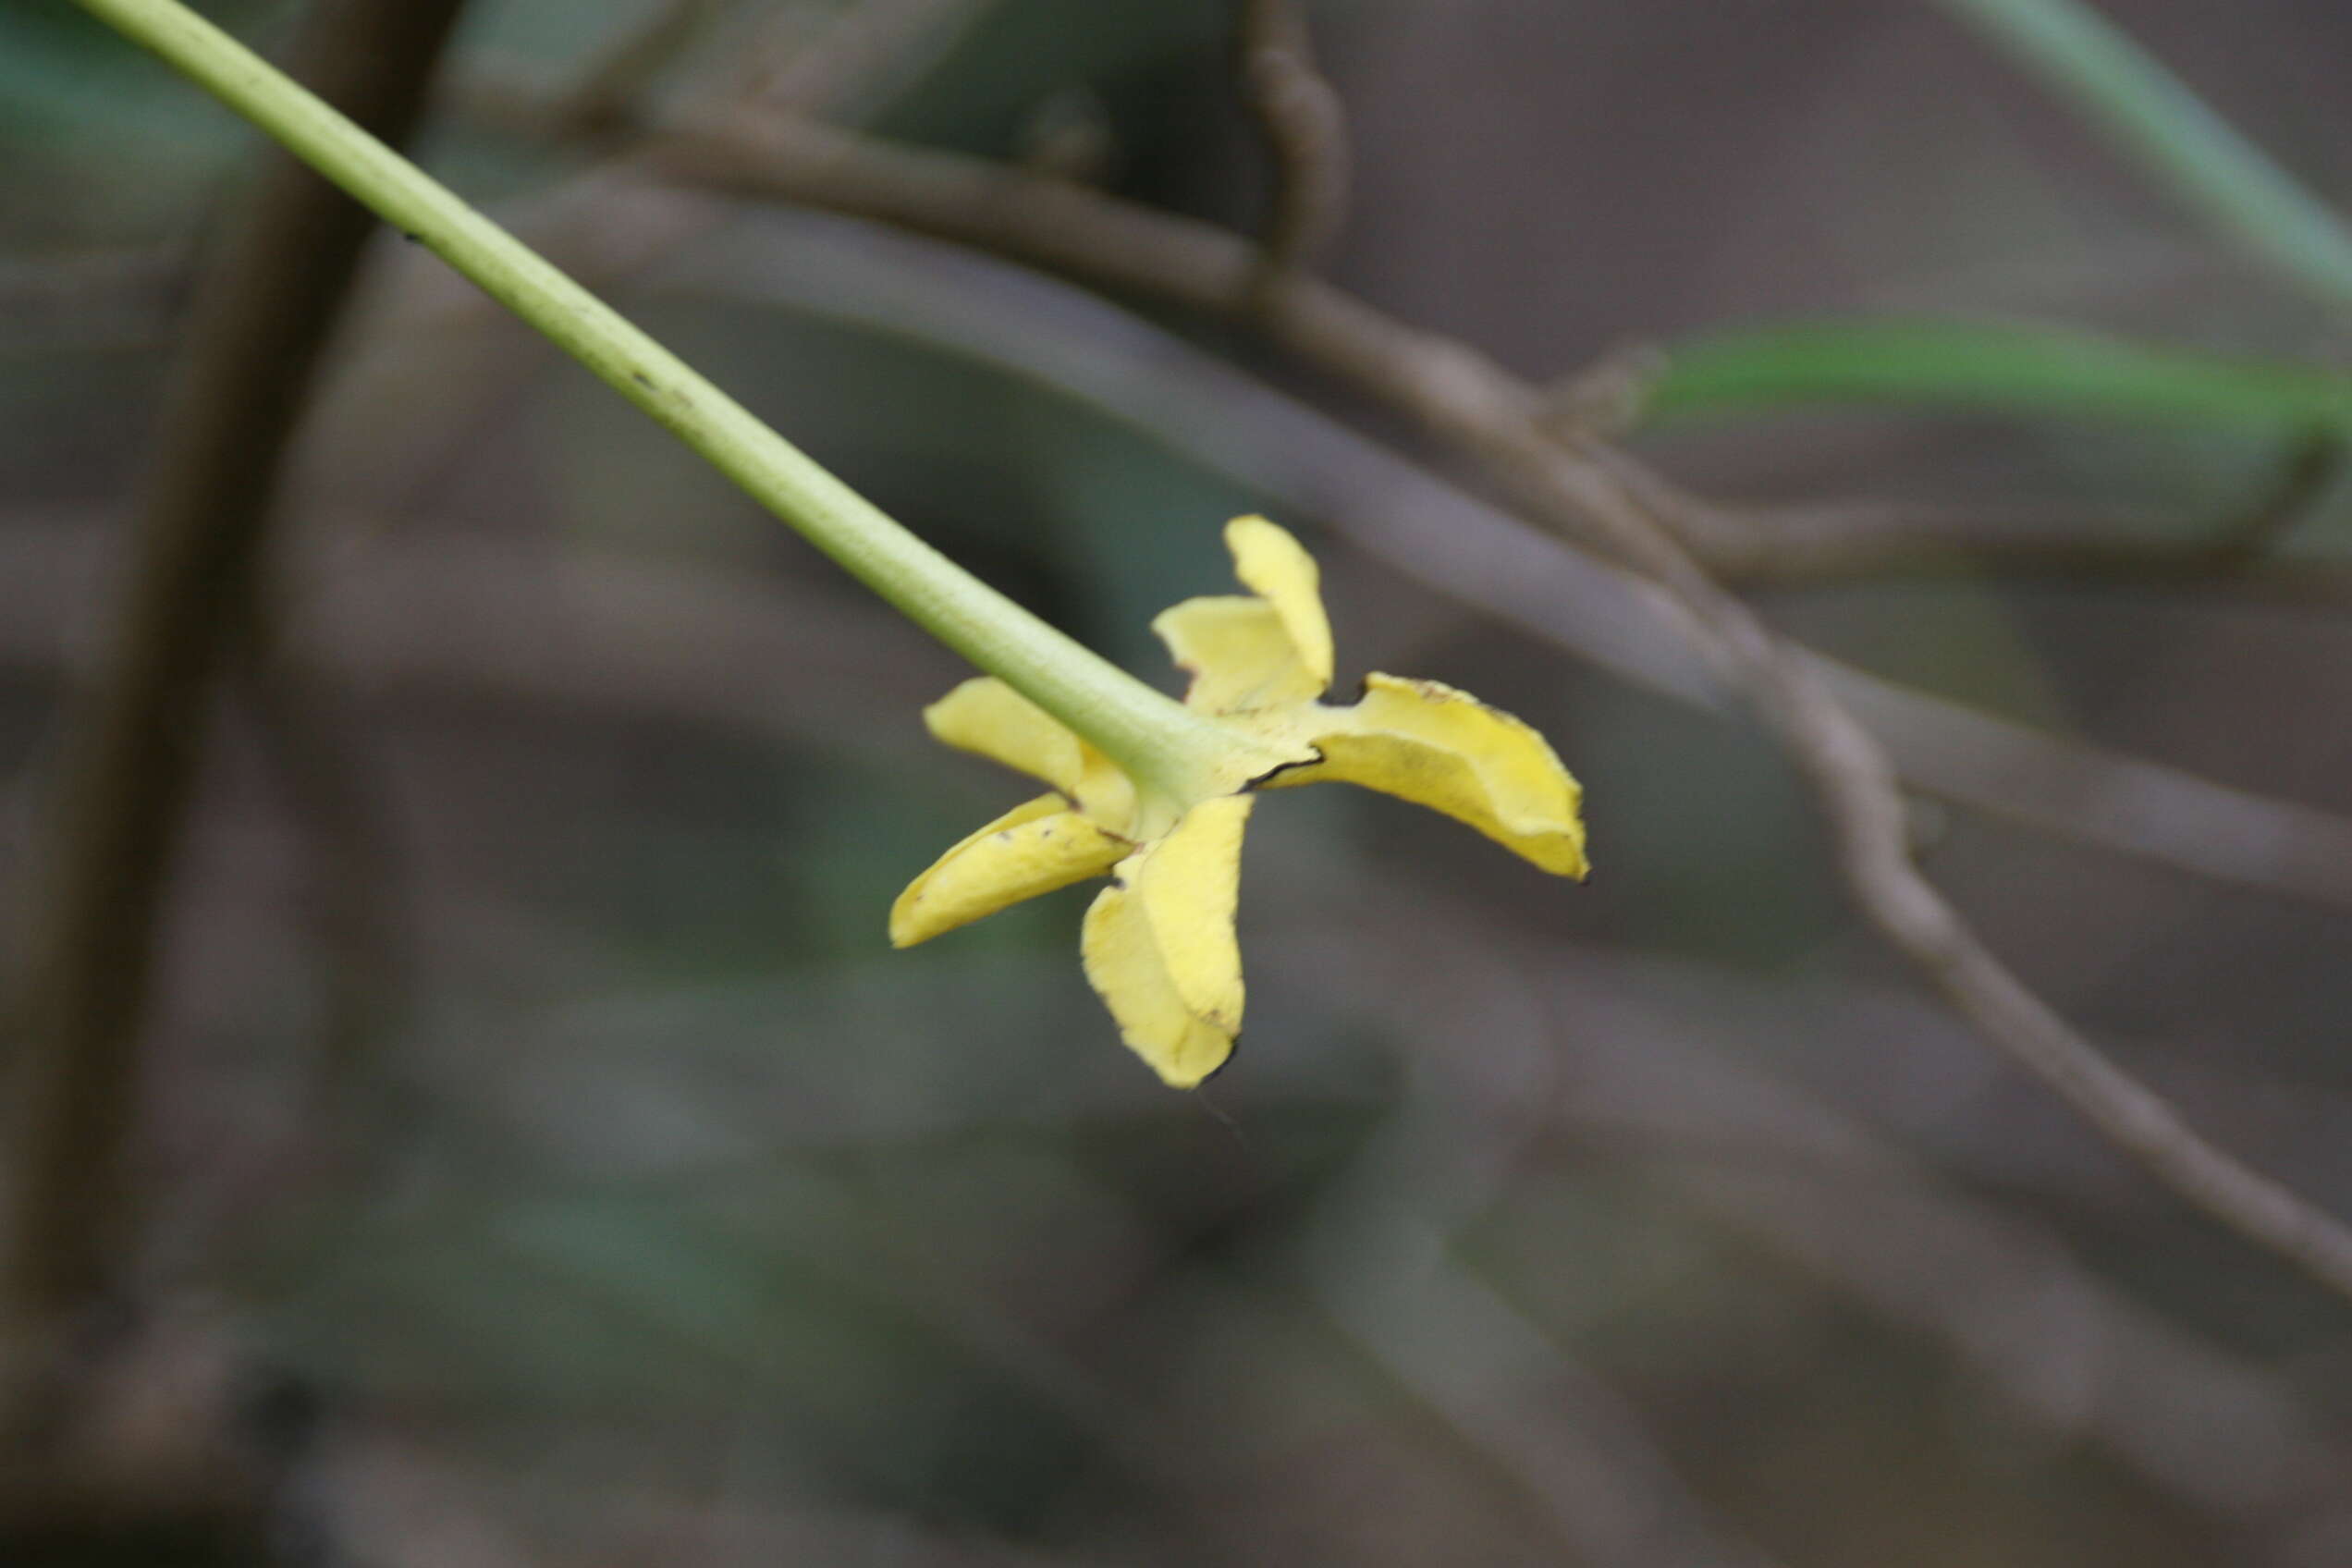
(1276, 567)
(985, 715)
(1427, 743)
(1035, 848)
(1160, 946)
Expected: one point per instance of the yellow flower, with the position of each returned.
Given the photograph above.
(1158, 944)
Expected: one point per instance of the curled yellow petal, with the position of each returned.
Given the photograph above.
(1276, 567)
(1427, 743)
(1035, 848)
(1247, 653)
(1160, 946)
(987, 716)
(1238, 653)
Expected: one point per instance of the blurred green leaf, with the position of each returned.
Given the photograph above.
(2152, 117)
(1998, 367)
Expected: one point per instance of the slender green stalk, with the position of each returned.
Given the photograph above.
(2154, 117)
(1146, 732)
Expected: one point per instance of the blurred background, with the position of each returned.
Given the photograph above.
(529, 1151)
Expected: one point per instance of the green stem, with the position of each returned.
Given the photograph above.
(1149, 733)
(2153, 115)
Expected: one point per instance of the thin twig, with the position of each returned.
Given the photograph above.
(2154, 118)
(1871, 1219)
(485, 633)
(1634, 1070)
(617, 76)
(1864, 541)
(1305, 126)
(1868, 541)
(1382, 1252)
(133, 745)
(1308, 464)
(2309, 472)
(1464, 399)
(355, 881)
(1131, 248)
(793, 67)
(129, 297)
(1856, 785)
(1604, 401)
(862, 52)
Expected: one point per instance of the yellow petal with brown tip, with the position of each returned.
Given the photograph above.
(1035, 848)
(1160, 946)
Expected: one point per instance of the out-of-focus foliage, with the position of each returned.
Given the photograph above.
(576, 1138)
(2002, 369)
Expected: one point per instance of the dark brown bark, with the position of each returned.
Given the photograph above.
(269, 302)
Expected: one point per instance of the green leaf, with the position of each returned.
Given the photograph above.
(2151, 117)
(2014, 369)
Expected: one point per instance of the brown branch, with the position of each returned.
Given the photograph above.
(267, 307)
(1604, 399)
(1634, 1072)
(1382, 1246)
(1871, 541)
(1132, 249)
(1862, 542)
(1305, 462)
(2309, 472)
(1578, 490)
(842, 67)
(1305, 126)
(434, 615)
(415, 617)
(354, 881)
(1854, 782)
(2006, 1297)
(790, 68)
(363, 618)
(129, 297)
(600, 102)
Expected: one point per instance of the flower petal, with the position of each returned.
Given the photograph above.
(985, 715)
(1035, 848)
(1427, 743)
(1160, 946)
(1238, 653)
(1245, 653)
(1277, 567)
